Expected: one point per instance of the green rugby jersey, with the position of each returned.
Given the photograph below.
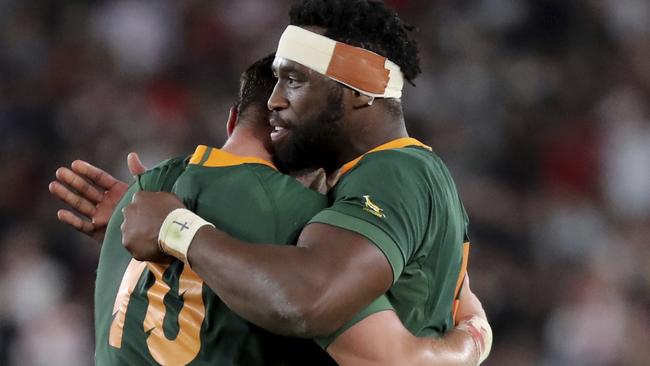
(402, 198)
(149, 314)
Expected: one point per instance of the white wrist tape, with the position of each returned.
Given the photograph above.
(481, 332)
(177, 232)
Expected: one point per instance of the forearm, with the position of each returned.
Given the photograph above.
(381, 339)
(289, 290)
(307, 290)
(456, 348)
(257, 284)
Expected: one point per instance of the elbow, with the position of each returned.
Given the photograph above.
(307, 325)
(317, 321)
(307, 317)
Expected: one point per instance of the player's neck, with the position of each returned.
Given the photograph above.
(372, 132)
(244, 143)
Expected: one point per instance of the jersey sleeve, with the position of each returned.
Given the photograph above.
(385, 199)
(380, 304)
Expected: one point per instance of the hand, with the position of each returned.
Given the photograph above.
(142, 221)
(92, 193)
(314, 179)
(470, 305)
(333, 179)
(472, 320)
(318, 180)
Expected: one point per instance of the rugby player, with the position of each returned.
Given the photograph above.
(132, 319)
(396, 226)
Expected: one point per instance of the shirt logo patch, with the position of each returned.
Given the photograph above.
(372, 208)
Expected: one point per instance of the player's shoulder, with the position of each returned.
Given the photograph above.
(282, 186)
(264, 174)
(410, 155)
(163, 175)
(178, 162)
(409, 168)
(212, 166)
(211, 157)
(404, 161)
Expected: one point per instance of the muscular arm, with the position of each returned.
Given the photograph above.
(308, 290)
(382, 339)
(311, 289)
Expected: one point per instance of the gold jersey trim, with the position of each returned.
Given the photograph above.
(215, 158)
(395, 144)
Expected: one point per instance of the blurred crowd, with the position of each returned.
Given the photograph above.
(541, 109)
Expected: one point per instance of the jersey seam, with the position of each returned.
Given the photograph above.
(385, 232)
(429, 302)
(401, 251)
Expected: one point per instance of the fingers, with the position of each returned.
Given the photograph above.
(96, 175)
(75, 221)
(72, 199)
(135, 165)
(333, 179)
(77, 182)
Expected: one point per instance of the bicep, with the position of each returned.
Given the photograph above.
(353, 271)
(379, 339)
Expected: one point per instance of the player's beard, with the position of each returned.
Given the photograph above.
(315, 141)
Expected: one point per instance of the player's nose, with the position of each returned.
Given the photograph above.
(277, 100)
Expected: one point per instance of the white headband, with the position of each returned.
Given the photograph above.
(362, 70)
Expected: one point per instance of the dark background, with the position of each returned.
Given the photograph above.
(540, 109)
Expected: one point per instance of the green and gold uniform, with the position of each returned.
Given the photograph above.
(401, 197)
(149, 314)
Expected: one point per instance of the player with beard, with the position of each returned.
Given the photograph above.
(314, 141)
(136, 302)
(396, 225)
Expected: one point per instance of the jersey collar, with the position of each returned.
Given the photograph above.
(215, 158)
(395, 144)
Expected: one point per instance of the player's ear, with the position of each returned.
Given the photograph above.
(232, 120)
(361, 100)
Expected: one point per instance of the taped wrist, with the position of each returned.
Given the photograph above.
(481, 332)
(177, 232)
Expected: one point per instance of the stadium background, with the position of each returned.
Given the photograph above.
(540, 108)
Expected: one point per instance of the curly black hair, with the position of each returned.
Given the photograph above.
(369, 24)
(256, 85)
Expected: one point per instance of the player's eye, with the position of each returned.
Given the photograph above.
(292, 81)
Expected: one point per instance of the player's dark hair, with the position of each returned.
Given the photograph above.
(369, 24)
(256, 85)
